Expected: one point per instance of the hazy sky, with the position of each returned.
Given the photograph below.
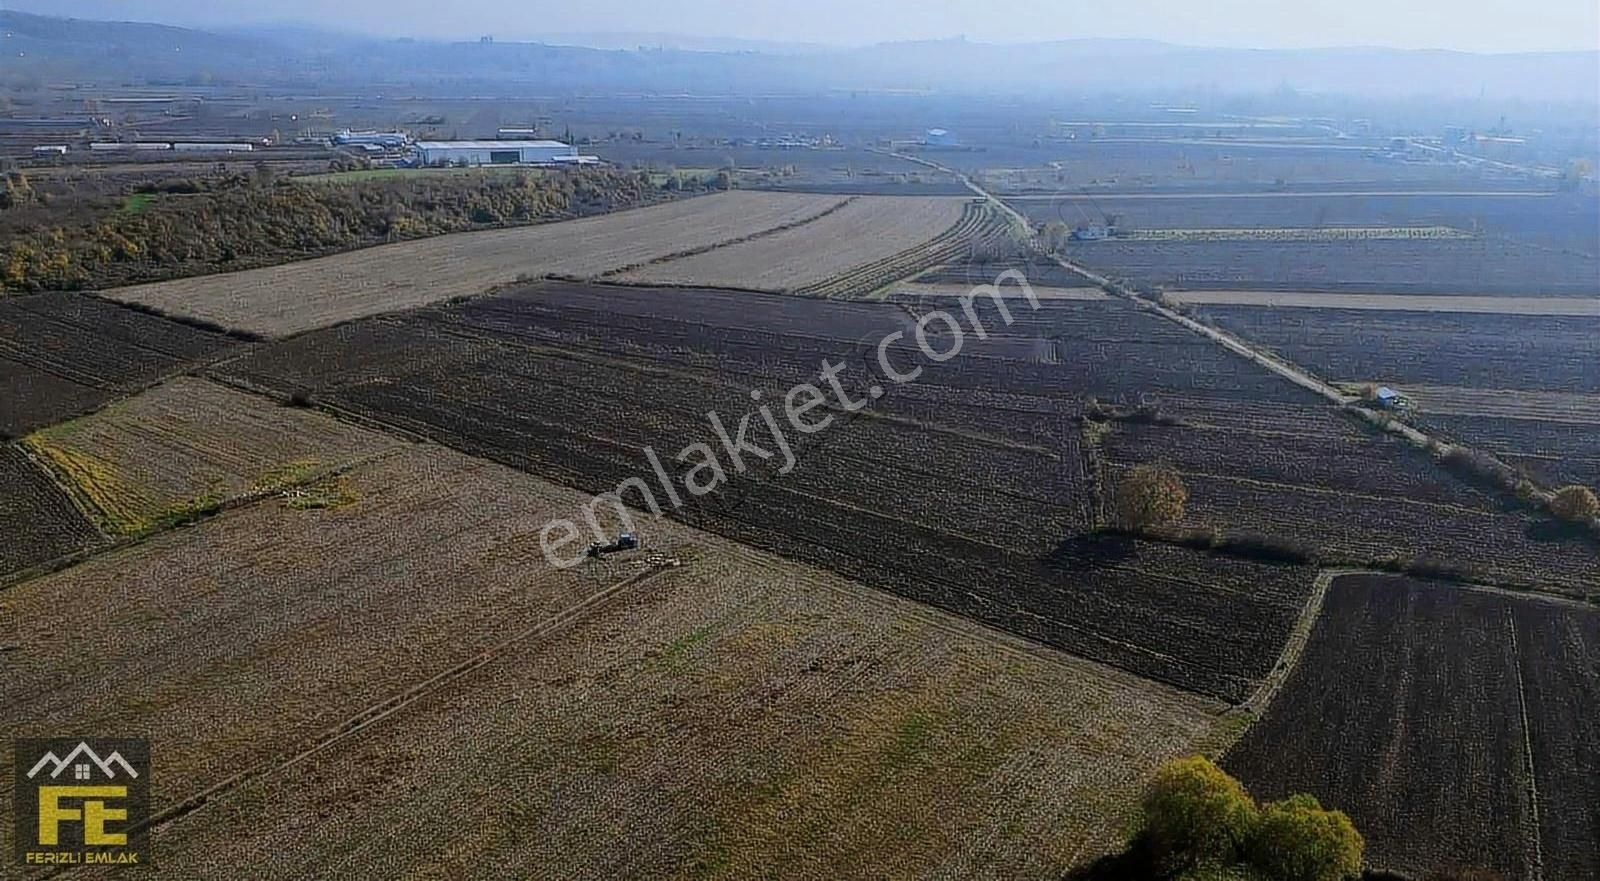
(1476, 25)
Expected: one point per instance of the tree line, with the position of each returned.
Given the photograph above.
(192, 226)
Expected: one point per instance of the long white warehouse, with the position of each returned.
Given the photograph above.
(494, 152)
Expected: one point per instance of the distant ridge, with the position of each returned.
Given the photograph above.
(57, 47)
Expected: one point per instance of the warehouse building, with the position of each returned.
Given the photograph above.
(494, 153)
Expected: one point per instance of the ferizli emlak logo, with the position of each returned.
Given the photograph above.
(82, 801)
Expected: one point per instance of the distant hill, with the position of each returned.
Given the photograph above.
(56, 47)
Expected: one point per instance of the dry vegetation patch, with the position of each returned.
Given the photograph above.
(190, 444)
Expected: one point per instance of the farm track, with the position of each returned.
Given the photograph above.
(1282, 368)
(1535, 871)
(1442, 669)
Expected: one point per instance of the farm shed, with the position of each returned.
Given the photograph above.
(494, 152)
(1389, 399)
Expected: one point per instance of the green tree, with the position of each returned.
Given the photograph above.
(1297, 840)
(1196, 816)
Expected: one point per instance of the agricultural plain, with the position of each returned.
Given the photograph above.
(1583, 307)
(714, 711)
(1474, 687)
(299, 296)
(1436, 266)
(958, 484)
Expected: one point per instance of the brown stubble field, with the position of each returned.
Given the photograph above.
(734, 714)
(738, 717)
(285, 299)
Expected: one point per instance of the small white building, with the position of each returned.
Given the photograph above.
(391, 140)
(495, 153)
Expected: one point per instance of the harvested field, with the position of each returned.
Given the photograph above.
(1573, 306)
(866, 231)
(1455, 726)
(734, 717)
(191, 443)
(972, 481)
(65, 354)
(286, 299)
(38, 522)
(1481, 266)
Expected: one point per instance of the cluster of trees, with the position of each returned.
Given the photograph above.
(1199, 824)
(246, 220)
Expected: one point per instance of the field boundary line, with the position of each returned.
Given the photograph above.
(728, 243)
(1299, 637)
(388, 707)
(1537, 869)
(1283, 368)
(1324, 491)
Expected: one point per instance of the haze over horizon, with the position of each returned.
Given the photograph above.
(1498, 26)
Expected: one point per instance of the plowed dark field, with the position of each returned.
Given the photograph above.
(38, 523)
(64, 354)
(1485, 351)
(1515, 353)
(1556, 220)
(968, 488)
(1453, 725)
(1360, 496)
(1423, 266)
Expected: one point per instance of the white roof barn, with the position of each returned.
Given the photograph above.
(493, 152)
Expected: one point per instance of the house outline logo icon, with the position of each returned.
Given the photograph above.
(81, 801)
(106, 765)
